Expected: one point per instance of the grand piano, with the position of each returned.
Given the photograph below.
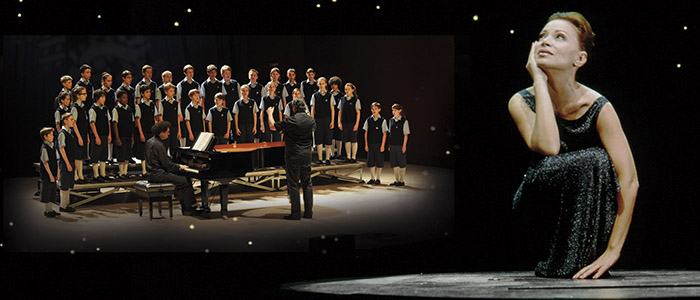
(224, 163)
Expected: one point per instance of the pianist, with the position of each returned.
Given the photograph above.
(161, 169)
(297, 155)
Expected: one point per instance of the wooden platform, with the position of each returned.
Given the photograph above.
(513, 285)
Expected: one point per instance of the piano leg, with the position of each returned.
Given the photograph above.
(204, 193)
(223, 194)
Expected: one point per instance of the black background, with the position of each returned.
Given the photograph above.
(634, 64)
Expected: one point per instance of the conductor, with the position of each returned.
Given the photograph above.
(298, 129)
(161, 169)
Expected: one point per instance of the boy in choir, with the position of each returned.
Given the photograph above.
(85, 75)
(211, 87)
(66, 164)
(335, 83)
(167, 77)
(183, 88)
(110, 102)
(323, 111)
(100, 128)
(123, 124)
(231, 87)
(375, 139)
(81, 131)
(49, 171)
(270, 100)
(255, 94)
(171, 112)
(147, 72)
(194, 117)
(309, 86)
(145, 116)
(127, 77)
(245, 117)
(62, 105)
(398, 138)
(289, 86)
(219, 120)
(67, 84)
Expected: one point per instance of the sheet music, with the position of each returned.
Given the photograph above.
(204, 139)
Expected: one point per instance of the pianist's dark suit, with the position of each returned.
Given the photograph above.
(161, 169)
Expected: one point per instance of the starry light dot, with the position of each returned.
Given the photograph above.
(191, 226)
(2, 245)
(235, 219)
(98, 249)
(678, 66)
(685, 27)
(512, 31)
(12, 224)
(189, 10)
(432, 128)
(448, 152)
(99, 16)
(475, 18)
(318, 5)
(334, 1)
(19, 15)
(20, 1)
(378, 7)
(250, 243)
(206, 250)
(72, 252)
(323, 236)
(177, 24)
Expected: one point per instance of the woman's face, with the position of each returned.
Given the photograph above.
(558, 46)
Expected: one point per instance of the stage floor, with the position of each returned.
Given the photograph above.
(512, 285)
(377, 216)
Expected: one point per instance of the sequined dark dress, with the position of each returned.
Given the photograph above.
(577, 189)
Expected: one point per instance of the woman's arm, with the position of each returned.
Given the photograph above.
(540, 130)
(618, 148)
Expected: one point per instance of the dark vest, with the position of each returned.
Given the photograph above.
(309, 89)
(269, 102)
(89, 89)
(337, 100)
(53, 162)
(290, 88)
(147, 118)
(396, 131)
(210, 90)
(218, 120)
(185, 89)
(322, 106)
(349, 111)
(60, 113)
(374, 130)
(255, 93)
(101, 121)
(245, 111)
(125, 125)
(231, 93)
(71, 145)
(82, 122)
(170, 114)
(110, 99)
(196, 119)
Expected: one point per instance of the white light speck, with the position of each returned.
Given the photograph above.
(72, 252)
(189, 10)
(19, 15)
(250, 243)
(678, 66)
(99, 16)
(475, 18)
(378, 7)
(191, 226)
(432, 128)
(177, 24)
(318, 5)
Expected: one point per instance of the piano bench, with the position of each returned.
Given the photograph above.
(155, 192)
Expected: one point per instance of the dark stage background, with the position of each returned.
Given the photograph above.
(634, 64)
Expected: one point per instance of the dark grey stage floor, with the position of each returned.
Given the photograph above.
(513, 285)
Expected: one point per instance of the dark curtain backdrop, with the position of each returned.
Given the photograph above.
(416, 71)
